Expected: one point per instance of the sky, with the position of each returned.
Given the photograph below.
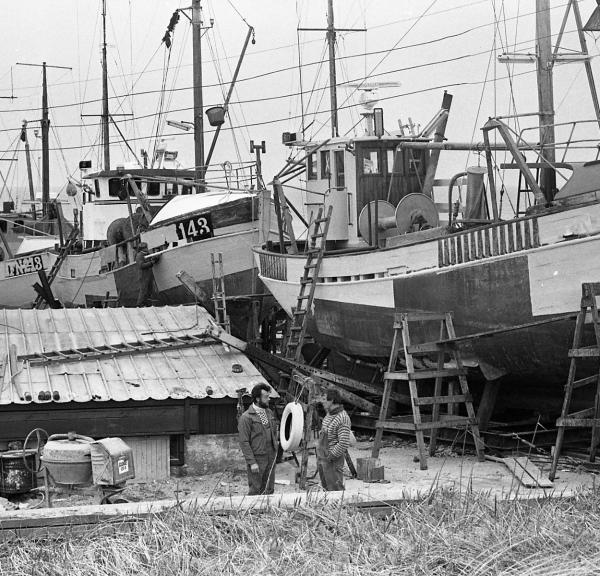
(423, 46)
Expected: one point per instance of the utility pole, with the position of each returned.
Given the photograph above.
(45, 134)
(331, 31)
(105, 116)
(198, 104)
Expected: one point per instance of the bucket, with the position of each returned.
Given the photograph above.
(216, 115)
(67, 458)
(15, 478)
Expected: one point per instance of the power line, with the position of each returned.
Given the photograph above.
(285, 69)
(287, 118)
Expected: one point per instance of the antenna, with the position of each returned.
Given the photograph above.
(369, 98)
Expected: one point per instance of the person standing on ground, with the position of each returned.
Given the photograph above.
(257, 428)
(334, 440)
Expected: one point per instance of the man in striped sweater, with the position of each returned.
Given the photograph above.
(334, 440)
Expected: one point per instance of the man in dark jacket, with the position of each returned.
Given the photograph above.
(258, 439)
(145, 275)
(334, 440)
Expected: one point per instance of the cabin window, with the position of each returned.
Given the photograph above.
(414, 164)
(311, 166)
(371, 162)
(171, 189)
(3, 226)
(153, 189)
(114, 186)
(187, 190)
(340, 178)
(325, 167)
(97, 187)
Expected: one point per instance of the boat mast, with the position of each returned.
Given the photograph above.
(545, 62)
(198, 104)
(331, 31)
(29, 172)
(332, 72)
(105, 118)
(45, 134)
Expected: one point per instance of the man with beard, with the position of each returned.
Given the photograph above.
(257, 429)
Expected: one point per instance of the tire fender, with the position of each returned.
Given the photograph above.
(292, 427)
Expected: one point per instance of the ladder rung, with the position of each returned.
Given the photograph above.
(319, 220)
(578, 422)
(304, 281)
(586, 352)
(313, 265)
(425, 374)
(299, 312)
(428, 347)
(585, 381)
(429, 400)
(318, 235)
(295, 328)
(304, 297)
(445, 421)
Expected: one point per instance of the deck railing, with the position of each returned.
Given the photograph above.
(493, 240)
(273, 265)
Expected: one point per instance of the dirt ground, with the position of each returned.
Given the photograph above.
(403, 478)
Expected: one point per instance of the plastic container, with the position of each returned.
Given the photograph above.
(67, 458)
(112, 462)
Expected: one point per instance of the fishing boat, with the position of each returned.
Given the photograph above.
(513, 285)
(184, 217)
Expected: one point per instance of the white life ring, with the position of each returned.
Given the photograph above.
(292, 427)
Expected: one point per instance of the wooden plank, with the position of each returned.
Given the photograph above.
(586, 352)
(452, 398)
(578, 422)
(424, 374)
(524, 470)
(429, 347)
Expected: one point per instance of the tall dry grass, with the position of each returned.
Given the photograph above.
(446, 533)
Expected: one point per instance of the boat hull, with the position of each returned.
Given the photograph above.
(354, 314)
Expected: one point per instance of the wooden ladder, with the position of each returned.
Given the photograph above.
(218, 283)
(63, 252)
(419, 422)
(589, 417)
(308, 282)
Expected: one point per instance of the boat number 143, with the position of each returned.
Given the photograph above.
(196, 228)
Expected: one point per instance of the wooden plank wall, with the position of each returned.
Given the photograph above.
(151, 457)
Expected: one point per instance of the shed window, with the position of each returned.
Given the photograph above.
(325, 167)
(97, 186)
(311, 166)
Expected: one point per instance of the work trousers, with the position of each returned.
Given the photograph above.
(331, 473)
(263, 481)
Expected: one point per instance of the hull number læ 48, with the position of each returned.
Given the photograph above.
(195, 228)
(26, 265)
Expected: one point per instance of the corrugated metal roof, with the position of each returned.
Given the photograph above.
(187, 370)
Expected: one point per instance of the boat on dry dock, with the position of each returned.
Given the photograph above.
(516, 281)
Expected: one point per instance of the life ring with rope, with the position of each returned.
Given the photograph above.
(292, 427)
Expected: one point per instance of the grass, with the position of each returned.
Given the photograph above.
(446, 533)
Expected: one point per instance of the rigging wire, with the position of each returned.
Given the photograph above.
(288, 68)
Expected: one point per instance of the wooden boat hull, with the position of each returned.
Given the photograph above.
(354, 314)
(17, 277)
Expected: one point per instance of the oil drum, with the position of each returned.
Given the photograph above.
(15, 478)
